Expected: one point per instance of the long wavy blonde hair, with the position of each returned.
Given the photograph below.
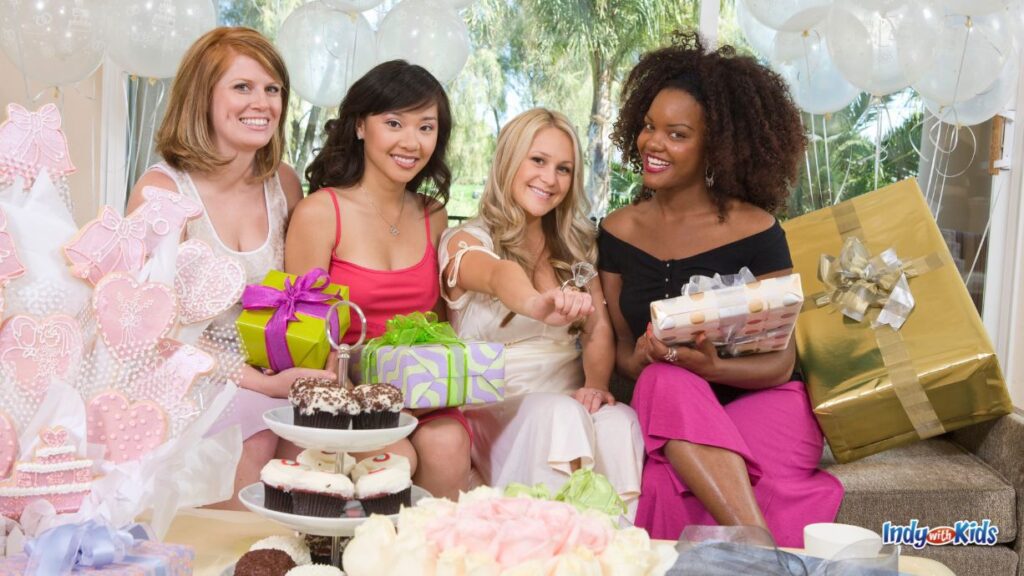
(568, 233)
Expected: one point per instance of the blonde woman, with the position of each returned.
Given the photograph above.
(502, 276)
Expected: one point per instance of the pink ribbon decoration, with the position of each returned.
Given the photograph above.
(111, 243)
(305, 295)
(30, 141)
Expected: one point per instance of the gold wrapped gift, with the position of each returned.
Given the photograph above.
(922, 365)
(748, 318)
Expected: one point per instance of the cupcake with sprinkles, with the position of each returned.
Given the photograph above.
(379, 406)
(321, 403)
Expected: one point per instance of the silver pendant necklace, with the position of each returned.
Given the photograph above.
(392, 227)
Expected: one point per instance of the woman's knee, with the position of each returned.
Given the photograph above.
(443, 439)
(658, 378)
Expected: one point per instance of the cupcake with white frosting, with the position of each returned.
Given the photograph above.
(325, 461)
(383, 483)
(321, 494)
(279, 477)
(380, 406)
(321, 403)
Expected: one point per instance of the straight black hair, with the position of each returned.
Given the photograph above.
(392, 86)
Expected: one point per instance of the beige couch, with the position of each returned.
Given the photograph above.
(970, 474)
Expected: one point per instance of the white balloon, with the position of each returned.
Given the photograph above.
(760, 37)
(973, 7)
(54, 41)
(149, 37)
(862, 39)
(965, 59)
(352, 5)
(326, 50)
(815, 83)
(427, 33)
(983, 106)
(789, 15)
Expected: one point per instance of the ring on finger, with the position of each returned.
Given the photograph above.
(671, 356)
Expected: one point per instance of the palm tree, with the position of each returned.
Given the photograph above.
(607, 35)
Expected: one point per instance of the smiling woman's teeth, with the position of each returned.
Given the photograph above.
(656, 162)
(255, 121)
(404, 160)
(540, 192)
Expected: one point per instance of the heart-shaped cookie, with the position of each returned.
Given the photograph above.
(128, 430)
(206, 283)
(54, 437)
(8, 445)
(132, 316)
(36, 350)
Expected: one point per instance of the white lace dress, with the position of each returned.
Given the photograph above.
(540, 429)
(248, 406)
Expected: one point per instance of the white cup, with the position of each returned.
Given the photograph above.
(826, 540)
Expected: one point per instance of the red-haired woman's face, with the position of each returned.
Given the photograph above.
(671, 143)
(399, 144)
(245, 107)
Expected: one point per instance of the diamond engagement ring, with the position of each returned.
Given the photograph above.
(671, 356)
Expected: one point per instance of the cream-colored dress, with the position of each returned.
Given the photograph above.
(248, 406)
(540, 429)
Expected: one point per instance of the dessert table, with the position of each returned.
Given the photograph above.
(221, 536)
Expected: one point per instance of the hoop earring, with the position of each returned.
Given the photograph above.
(709, 176)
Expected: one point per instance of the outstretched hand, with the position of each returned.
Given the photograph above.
(557, 307)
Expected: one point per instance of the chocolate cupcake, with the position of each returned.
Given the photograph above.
(264, 563)
(295, 547)
(379, 404)
(321, 494)
(278, 477)
(383, 483)
(321, 403)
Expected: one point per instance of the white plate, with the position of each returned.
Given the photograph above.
(280, 421)
(252, 497)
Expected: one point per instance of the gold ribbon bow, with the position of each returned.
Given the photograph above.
(857, 282)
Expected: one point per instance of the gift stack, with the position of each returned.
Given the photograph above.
(889, 340)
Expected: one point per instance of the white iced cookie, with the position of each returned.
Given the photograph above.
(290, 545)
(325, 483)
(379, 462)
(325, 461)
(369, 552)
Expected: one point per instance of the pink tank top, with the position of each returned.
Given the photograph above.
(383, 293)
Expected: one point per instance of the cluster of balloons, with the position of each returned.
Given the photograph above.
(961, 56)
(60, 42)
(328, 44)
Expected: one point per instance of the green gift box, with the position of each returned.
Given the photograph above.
(284, 321)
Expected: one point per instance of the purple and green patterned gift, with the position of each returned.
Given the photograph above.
(426, 360)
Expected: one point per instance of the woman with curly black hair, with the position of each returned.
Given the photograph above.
(728, 440)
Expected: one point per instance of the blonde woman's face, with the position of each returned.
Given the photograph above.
(544, 177)
(246, 107)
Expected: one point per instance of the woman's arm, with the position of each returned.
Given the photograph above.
(508, 282)
(311, 231)
(291, 186)
(630, 355)
(598, 344)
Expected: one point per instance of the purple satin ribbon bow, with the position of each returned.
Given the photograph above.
(91, 544)
(305, 295)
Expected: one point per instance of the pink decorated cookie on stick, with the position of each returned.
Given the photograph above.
(30, 141)
(36, 351)
(110, 243)
(128, 430)
(165, 213)
(10, 266)
(56, 473)
(132, 316)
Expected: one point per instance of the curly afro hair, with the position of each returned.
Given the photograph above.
(754, 135)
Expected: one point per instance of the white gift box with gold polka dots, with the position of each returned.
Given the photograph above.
(746, 319)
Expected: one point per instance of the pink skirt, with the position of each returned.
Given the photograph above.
(775, 432)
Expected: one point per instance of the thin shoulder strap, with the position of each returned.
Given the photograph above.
(453, 272)
(426, 218)
(337, 218)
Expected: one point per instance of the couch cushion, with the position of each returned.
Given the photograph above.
(934, 481)
(971, 560)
